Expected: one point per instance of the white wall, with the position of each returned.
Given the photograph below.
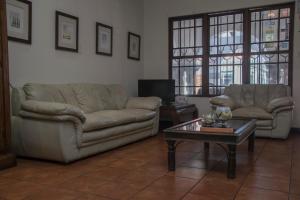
(40, 62)
(156, 14)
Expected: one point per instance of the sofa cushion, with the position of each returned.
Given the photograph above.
(109, 118)
(58, 93)
(148, 103)
(252, 112)
(52, 108)
(68, 94)
(261, 97)
(264, 123)
(247, 95)
(234, 92)
(281, 102)
(118, 95)
(277, 91)
(140, 114)
(222, 100)
(93, 97)
(116, 131)
(43, 92)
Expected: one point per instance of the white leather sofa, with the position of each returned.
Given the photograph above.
(271, 105)
(67, 122)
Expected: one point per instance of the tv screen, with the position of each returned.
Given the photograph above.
(165, 89)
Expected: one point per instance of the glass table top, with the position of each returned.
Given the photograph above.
(197, 126)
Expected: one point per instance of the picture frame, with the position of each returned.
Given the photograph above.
(19, 20)
(134, 46)
(298, 12)
(66, 32)
(104, 39)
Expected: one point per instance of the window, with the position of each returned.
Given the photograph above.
(187, 55)
(211, 51)
(225, 51)
(269, 60)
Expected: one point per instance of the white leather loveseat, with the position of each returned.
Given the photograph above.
(66, 122)
(271, 105)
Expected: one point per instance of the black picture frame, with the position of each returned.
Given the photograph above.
(129, 50)
(29, 38)
(57, 45)
(98, 51)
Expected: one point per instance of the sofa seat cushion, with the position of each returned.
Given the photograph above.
(264, 123)
(252, 112)
(109, 118)
(116, 131)
(140, 114)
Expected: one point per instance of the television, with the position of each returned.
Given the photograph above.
(163, 88)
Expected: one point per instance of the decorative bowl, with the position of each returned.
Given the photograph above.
(208, 119)
(223, 114)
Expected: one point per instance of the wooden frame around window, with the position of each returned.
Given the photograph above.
(246, 38)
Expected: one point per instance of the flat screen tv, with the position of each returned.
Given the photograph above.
(163, 88)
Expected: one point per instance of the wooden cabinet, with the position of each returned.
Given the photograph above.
(177, 113)
(7, 159)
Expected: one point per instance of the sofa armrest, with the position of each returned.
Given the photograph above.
(148, 103)
(52, 109)
(57, 118)
(222, 100)
(280, 102)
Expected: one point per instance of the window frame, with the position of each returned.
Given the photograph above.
(246, 38)
(220, 55)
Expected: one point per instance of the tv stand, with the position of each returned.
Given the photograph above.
(177, 113)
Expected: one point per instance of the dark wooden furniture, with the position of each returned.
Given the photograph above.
(243, 130)
(7, 159)
(178, 113)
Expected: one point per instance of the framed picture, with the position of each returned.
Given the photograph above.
(66, 32)
(104, 39)
(134, 46)
(298, 12)
(19, 17)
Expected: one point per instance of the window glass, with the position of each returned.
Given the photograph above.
(211, 51)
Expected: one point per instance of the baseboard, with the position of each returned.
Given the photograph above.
(7, 160)
(295, 130)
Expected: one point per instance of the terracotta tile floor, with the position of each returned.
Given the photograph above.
(139, 171)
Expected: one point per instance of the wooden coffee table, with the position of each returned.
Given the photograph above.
(242, 130)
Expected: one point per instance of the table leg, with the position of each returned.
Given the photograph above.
(206, 147)
(195, 114)
(231, 161)
(171, 155)
(251, 142)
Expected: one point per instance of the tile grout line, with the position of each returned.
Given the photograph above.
(143, 189)
(206, 174)
(166, 174)
(197, 180)
(291, 169)
(244, 180)
(209, 171)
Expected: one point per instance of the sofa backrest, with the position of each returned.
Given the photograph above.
(17, 97)
(87, 96)
(95, 97)
(256, 95)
